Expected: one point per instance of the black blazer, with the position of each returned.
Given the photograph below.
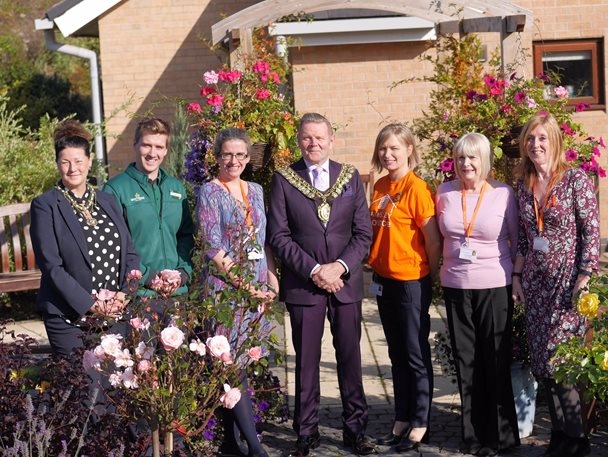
(62, 254)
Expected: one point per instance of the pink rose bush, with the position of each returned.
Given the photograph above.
(172, 338)
(231, 397)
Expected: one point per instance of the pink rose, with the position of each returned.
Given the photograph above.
(172, 338)
(143, 366)
(123, 359)
(255, 353)
(218, 345)
(129, 379)
(197, 346)
(231, 397)
(143, 351)
(166, 282)
(226, 357)
(105, 294)
(135, 274)
(90, 361)
(138, 324)
(114, 379)
(111, 344)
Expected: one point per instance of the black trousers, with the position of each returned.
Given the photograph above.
(404, 312)
(480, 333)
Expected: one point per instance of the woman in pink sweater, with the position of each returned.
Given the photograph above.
(478, 220)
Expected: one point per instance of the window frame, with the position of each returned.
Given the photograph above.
(595, 45)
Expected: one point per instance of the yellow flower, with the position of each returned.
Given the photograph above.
(604, 364)
(43, 386)
(588, 304)
(15, 374)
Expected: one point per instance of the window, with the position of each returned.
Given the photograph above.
(580, 66)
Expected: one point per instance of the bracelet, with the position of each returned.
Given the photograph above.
(516, 275)
(585, 272)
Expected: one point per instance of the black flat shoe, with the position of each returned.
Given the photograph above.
(230, 450)
(487, 451)
(390, 439)
(408, 444)
(305, 443)
(357, 442)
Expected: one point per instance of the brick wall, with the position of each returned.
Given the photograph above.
(151, 49)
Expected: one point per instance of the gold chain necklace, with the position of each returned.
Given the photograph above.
(83, 208)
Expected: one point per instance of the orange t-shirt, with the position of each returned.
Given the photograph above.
(398, 210)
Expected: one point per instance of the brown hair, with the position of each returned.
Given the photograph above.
(559, 165)
(229, 134)
(404, 135)
(152, 125)
(71, 134)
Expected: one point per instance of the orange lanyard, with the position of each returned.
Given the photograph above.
(244, 205)
(540, 214)
(469, 228)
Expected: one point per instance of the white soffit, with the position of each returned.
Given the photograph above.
(356, 31)
(81, 14)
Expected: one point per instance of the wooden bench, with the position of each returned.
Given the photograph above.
(19, 270)
(368, 184)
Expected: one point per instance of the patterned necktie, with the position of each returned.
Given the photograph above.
(318, 178)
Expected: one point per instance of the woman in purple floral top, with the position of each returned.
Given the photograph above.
(232, 224)
(558, 249)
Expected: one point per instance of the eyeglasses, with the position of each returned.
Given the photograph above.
(228, 156)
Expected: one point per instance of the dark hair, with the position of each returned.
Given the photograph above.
(152, 125)
(315, 118)
(71, 134)
(403, 133)
(231, 133)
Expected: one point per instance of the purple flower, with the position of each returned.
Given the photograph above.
(471, 94)
(567, 129)
(596, 151)
(447, 165)
(601, 172)
(489, 80)
(520, 97)
(580, 107)
(543, 76)
(263, 406)
(571, 155)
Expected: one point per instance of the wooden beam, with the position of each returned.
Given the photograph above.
(240, 45)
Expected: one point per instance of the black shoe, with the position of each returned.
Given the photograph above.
(357, 442)
(487, 451)
(575, 447)
(305, 443)
(557, 440)
(228, 449)
(469, 447)
(391, 439)
(411, 445)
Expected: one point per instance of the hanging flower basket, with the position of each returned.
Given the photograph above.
(260, 155)
(510, 143)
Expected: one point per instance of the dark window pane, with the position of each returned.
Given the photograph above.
(574, 68)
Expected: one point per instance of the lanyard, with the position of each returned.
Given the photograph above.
(244, 205)
(469, 228)
(540, 214)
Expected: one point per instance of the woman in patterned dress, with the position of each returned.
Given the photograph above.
(82, 245)
(558, 249)
(230, 209)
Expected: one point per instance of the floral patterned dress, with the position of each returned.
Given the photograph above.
(571, 226)
(222, 226)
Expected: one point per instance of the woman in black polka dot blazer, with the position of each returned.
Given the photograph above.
(81, 242)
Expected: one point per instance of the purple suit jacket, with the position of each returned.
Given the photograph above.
(300, 240)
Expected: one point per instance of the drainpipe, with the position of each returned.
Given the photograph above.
(52, 45)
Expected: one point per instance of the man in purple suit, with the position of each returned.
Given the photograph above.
(319, 227)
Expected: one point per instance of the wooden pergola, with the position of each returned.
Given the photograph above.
(454, 16)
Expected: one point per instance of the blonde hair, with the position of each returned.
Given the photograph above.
(559, 165)
(475, 144)
(404, 135)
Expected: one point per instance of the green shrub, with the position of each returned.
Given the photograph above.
(27, 159)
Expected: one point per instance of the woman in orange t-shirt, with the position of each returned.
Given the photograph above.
(404, 256)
